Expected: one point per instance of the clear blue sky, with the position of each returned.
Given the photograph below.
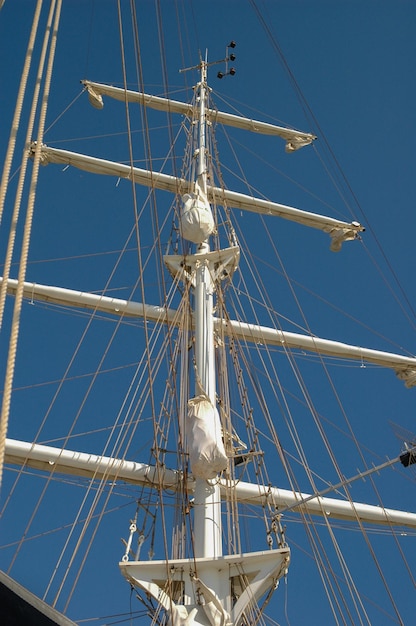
(353, 64)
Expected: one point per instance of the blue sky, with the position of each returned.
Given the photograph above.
(353, 64)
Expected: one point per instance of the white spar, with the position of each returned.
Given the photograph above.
(48, 458)
(404, 366)
(338, 230)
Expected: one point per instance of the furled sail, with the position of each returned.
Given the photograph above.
(404, 366)
(162, 418)
(206, 450)
(295, 139)
(197, 222)
(338, 230)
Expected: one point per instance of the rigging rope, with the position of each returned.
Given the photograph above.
(161, 435)
(309, 113)
(18, 109)
(5, 410)
(356, 602)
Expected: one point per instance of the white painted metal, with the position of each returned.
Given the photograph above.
(214, 574)
(295, 139)
(262, 569)
(48, 458)
(404, 366)
(207, 508)
(338, 230)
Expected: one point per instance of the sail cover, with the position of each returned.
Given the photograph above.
(203, 429)
(197, 222)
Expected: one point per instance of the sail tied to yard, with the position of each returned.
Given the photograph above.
(218, 479)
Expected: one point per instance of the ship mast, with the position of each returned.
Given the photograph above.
(205, 588)
(207, 503)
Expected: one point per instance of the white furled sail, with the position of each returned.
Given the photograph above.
(203, 427)
(207, 400)
(197, 222)
(338, 230)
(295, 139)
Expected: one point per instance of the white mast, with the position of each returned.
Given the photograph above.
(214, 589)
(207, 588)
(207, 504)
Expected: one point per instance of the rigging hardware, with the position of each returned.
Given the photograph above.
(408, 457)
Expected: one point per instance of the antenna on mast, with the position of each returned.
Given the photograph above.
(229, 56)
